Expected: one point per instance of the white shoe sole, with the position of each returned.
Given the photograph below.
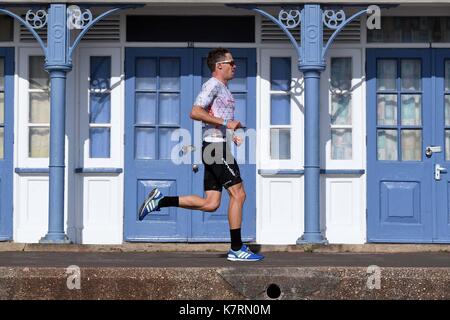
(239, 259)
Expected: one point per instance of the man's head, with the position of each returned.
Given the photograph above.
(221, 63)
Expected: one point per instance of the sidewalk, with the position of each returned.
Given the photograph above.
(139, 272)
(223, 247)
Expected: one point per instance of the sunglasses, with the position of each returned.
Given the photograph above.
(230, 62)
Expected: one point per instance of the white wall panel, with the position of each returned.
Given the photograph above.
(344, 210)
(280, 217)
(31, 212)
(101, 221)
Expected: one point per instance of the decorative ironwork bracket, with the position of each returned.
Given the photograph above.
(312, 18)
(33, 21)
(76, 19)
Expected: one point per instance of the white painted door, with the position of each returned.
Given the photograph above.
(98, 197)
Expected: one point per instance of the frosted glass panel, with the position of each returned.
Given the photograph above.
(146, 74)
(240, 111)
(280, 109)
(166, 144)
(100, 108)
(99, 142)
(169, 108)
(280, 74)
(411, 109)
(145, 143)
(387, 109)
(39, 142)
(387, 144)
(341, 73)
(239, 82)
(341, 109)
(145, 108)
(447, 144)
(37, 76)
(447, 110)
(39, 107)
(2, 142)
(100, 73)
(447, 75)
(411, 74)
(2, 108)
(386, 75)
(169, 74)
(411, 145)
(280, 144)
(341, 144)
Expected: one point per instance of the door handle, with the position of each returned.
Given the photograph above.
(437, 171)
(432, 149)
(187, 148)
(195, 168)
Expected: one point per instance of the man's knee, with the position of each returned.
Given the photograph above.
(238, 195)
(211, 206)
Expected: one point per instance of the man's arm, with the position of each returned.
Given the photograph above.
(200, 114)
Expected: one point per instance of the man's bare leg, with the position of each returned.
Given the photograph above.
(210, 203)
(237, 199)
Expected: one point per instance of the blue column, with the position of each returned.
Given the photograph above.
(312, 64)
(57, 65)
(312, 233)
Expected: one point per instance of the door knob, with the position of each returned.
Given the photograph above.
(195, 168)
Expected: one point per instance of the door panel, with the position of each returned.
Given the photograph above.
(158, 102)
(161, 85)
(399, 122)
(6, 141)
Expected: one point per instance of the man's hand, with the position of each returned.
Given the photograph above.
(237, 140)
(233, 124)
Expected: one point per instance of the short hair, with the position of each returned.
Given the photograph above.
(215, 56)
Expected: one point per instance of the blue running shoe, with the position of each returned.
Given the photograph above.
(150, 204)
(243, 254)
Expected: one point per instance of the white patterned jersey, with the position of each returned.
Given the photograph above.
(216, 98)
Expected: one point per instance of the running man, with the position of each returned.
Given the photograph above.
(214, 106)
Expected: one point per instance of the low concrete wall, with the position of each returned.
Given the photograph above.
(224, 283)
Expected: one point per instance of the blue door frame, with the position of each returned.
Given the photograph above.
(406, 204)
(141, 175)
(6, 163)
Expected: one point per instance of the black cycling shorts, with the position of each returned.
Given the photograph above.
(221, 169)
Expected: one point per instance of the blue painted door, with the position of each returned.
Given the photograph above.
(442, 139)
(161, 85)
(158, 101)
(207, 226)
(6, 141)
(400, 123)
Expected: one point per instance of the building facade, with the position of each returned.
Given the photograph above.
(384, 124)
